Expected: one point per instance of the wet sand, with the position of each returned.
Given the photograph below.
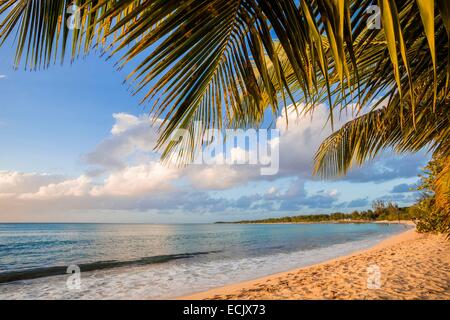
(406, 266)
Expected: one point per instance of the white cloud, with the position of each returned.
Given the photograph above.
(12, 182)
(220, 176)
(333, 192)
(133, 179)
(272, 190)
(298, 141)
(300, 138)
(78, 187)
(131, 137)
(138, 180)
(2, 76)
(126, 121)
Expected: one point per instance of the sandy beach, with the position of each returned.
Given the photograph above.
(406, 266)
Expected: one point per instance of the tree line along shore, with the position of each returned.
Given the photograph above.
(431, 212)
(382, 211)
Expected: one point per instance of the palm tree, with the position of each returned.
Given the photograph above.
(226, 62)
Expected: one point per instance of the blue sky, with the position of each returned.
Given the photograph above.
(76, 146)
(61, 111)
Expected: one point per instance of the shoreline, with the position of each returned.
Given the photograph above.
(302, 282)
(234, 286)
(406, 222)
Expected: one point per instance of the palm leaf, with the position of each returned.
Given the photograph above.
(203, 64)
(366, 136)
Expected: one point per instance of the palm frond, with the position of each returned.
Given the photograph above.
(442, 186)
(212, 63)
(363, 138)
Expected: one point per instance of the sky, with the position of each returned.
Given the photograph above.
(78, 147)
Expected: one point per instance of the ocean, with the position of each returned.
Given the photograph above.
(156, 261)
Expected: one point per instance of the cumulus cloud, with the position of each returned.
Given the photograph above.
(69, 188)
(401, 198)
(131, 136)
(18, 182)
(300, 137)
(358, 203)
(388, 166)
(295, 198)
(137, 180)
(132, 139)
(220, 177)
(129, 176)
(404, 187)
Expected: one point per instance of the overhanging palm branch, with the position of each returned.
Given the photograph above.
(364, 137)
(443, 187)
(198, 60)
(414, 117)
(217, 61)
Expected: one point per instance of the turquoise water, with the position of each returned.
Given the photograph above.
(161, 261)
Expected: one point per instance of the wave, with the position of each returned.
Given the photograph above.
(34, 273)
(40, 244)
(170, 281)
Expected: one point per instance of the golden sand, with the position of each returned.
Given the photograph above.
(410, 265)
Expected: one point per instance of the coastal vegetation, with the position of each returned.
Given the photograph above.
(430, 213)
(382, 211)
(232, 63)
(432, 210)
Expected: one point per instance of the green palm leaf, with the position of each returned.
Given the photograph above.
(225, 62)
(363, 138)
